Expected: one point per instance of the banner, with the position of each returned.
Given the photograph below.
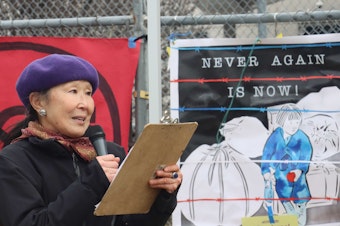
(115, 62)
(268, 138)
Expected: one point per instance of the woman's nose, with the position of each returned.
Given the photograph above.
(83, 101)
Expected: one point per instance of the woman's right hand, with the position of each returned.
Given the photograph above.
(109, 164)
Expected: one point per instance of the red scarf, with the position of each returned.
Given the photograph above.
(82, 145)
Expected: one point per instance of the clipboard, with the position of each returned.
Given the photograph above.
(157, 145)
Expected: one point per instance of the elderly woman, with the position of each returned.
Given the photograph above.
(50, 173)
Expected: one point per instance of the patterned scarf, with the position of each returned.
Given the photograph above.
(82, 146)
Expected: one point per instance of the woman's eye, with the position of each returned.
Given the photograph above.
(89, 93)
(73, 91)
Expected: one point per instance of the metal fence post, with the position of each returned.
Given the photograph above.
(141, 94)
(262, 5)
(154, 57)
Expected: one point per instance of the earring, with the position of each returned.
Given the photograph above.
(42, 112)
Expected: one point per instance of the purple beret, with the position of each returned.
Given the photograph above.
(52, 70)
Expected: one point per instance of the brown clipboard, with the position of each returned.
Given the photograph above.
(157, 145)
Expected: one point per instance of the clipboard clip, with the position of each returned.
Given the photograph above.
(166, 118)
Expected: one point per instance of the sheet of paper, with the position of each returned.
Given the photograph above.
(282, 220)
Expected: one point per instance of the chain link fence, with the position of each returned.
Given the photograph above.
(179, 19)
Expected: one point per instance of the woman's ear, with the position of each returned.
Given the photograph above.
(35, 99)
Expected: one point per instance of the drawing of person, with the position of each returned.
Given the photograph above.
(289, 151)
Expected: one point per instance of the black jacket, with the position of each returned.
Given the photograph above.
(43, 184)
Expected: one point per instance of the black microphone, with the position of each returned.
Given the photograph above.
(97, 138)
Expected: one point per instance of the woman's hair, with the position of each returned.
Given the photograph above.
(288, 112)
(15, 130)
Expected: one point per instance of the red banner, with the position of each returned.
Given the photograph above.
(115, 62)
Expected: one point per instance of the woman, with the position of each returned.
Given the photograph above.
(50, 173)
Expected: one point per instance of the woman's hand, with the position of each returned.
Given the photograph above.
(109, 164)
(168, 178)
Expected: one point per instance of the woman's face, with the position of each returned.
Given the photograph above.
(69, 108)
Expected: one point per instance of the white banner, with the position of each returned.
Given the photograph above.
(268, 138)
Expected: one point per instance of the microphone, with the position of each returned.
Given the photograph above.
(97, 138)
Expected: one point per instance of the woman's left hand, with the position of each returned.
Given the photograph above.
(168, 178)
